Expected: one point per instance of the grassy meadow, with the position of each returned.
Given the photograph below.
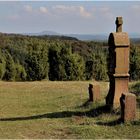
(48, 109)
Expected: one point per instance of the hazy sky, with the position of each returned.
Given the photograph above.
(86, 17)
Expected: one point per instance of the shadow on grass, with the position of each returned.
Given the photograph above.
(117, 122)
(85, 104)
(91, 113)
(136, 122)
(111, 123)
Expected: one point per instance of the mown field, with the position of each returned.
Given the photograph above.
(59, 110)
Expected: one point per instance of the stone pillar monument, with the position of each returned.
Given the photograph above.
(118, 64)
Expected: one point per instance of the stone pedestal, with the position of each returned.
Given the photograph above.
(118, 65)
(94, 92)
(128, 107)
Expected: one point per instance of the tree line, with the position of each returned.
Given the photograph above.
(30, 58)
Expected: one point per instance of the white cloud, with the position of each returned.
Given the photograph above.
(63, 8)
(74, 10)
(83, 12)
(28, 8)
(43, 10)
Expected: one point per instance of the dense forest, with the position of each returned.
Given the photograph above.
(29, 58)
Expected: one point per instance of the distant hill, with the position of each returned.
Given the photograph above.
(84, 37)
(97, 37)
(60, 37)
(42, 33)
(135, 40)
(134, 35)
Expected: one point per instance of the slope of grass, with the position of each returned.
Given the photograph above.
(58, 110)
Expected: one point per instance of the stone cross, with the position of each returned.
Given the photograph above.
(119, 23)
(118, 65)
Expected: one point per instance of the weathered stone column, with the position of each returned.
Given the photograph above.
(118, 64)
(128, 107)
(94, 92)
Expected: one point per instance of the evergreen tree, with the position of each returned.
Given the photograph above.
(64, 65)
(89, 70)
(2, 65)
(53, 58)
(20, 72)
(75, 67)
(134, 63)
(100, 66)
(10, 71)
(37, 64)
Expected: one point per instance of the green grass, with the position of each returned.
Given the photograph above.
(56, 110)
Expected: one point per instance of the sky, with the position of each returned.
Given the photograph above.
(68, 17)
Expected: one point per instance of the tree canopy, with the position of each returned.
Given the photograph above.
(57, 58)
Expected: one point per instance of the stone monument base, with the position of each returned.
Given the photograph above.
(118, 85)
(128, 107)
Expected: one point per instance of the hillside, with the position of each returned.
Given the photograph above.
(61, 58)
(39, 57)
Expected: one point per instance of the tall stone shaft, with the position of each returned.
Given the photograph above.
(118, 64)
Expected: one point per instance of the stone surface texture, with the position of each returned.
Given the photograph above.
(128, 107)
(118, 65)
(94, 92)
